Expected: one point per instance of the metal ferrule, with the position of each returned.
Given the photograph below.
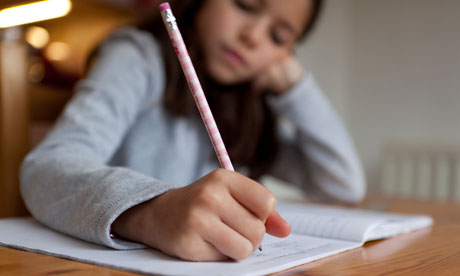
(169, 19)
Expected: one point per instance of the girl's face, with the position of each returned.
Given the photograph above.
(242, 38)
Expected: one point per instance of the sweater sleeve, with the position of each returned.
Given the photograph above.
(66, 182)
(317, 153)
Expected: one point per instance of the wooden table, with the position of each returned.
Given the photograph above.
(431, 251)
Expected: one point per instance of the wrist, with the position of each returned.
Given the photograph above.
(130, 225)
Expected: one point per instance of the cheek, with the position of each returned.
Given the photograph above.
(269, 57)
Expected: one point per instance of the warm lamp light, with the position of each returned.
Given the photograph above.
(57, 51)
(38, 11)
(38, 37)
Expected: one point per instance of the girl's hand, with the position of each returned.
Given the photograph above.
(280, 77)
(223, 214)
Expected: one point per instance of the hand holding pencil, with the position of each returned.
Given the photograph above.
(222, 215)
(215, 218)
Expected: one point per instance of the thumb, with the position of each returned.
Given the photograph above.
(276, 226)
(260, 82)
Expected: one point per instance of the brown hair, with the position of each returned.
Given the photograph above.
(247, 125)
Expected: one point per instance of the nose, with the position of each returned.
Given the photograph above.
(252, 33)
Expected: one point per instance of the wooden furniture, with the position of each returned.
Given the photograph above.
(430, 251)
(14, 139)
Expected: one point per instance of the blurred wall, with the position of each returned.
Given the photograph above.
(326, 53)
(392, 69)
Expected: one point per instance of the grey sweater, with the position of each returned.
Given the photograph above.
(115, 146)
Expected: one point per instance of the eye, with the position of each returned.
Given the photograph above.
(246, 5)
(278, 38)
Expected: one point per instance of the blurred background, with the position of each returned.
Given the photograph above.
(391, 68)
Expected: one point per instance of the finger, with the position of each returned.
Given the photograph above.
(260, 82)
(197, 249)
(243, 221)
(277, 226)
(293, 69)
(228, 241)
(253, 196)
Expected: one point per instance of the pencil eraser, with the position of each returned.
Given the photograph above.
(164, 6)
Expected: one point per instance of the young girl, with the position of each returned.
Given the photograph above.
(130, 156)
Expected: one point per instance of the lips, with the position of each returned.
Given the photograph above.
(233, 57)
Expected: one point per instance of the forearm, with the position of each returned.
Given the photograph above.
(320, 136)
(82, 197)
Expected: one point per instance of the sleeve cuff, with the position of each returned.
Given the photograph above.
(116, 208)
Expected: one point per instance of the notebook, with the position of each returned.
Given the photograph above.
(317, 232)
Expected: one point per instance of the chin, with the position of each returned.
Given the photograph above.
(222, 79)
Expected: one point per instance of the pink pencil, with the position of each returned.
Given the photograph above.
(195, 86)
